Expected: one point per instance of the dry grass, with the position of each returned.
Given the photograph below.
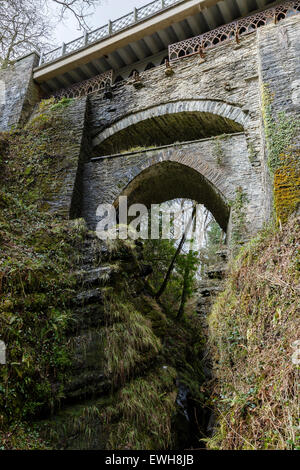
(129, 342)
(253, 325)
(142, 416)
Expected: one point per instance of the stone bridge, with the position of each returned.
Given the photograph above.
(195, 133)
(208, 171)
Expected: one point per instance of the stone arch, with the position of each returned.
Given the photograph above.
(215, 183)
(171, 176)
(192, 118)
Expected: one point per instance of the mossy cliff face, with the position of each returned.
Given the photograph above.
(253, 325)
(37, 254)
(84, 334)
(144, 353)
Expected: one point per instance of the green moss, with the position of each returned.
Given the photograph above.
(239, 221)
(280, 130)
(37, 252)
(218, 150)
(252, 153)
(287, 186)
(141, 417)
(283, 157)
(61, 104)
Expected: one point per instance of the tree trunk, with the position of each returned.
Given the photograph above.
(179, 248)
(186, 274)
(184, 292)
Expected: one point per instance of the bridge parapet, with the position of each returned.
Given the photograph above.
(108, 30)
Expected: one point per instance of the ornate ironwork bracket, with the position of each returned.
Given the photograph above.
(232, 31)
(87, 87)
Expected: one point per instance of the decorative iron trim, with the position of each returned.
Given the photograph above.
(87, 87)
(233, 30)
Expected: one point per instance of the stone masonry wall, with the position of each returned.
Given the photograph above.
(226, 165)
(68, 144)
(228, 76)
(227, 83)
(279, 70)
(69, 199)
(228, 87)
(279, 62)
(217, 83)
(19, 92)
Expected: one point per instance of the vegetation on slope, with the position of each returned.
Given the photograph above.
(253, 325)
(145, 349)
(37, 254)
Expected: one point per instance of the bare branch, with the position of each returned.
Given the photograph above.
(27, 25)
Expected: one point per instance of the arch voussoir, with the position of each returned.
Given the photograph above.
(218, 108)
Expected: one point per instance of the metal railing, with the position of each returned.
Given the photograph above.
(108, 30)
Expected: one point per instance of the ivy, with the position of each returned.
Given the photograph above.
(280, 131)
(239, 220)
(218, 150)
(283, 157)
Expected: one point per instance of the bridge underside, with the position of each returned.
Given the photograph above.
(209, 171)
(167, 129)
(170, 180)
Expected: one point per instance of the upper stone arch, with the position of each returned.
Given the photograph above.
(220, 116)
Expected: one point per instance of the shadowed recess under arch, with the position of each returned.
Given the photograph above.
(169, 180)
(169, 123)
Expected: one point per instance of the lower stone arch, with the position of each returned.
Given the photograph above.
(167, 180)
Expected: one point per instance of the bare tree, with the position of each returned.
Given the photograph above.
(26, 25)
(22, 28)
(80, 9)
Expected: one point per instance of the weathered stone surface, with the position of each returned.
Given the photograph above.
(21, 94)
(193, 80)
(195, 170)
(66, 201)
(279, 70)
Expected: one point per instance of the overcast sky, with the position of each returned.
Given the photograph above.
(107, 10)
